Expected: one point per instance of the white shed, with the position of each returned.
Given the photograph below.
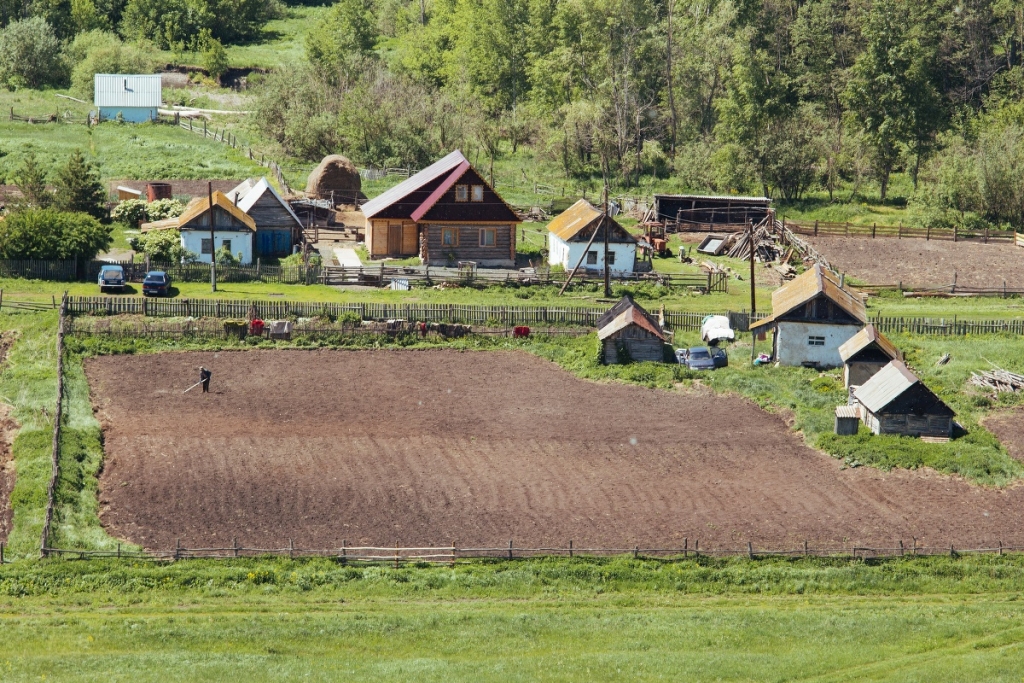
(812, 316)
(136, 97)
(570, 231)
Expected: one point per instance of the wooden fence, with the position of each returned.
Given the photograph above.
(58, 414)
(398, 555)
(821, 228)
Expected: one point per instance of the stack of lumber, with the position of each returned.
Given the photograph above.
(765, 242)
(999, 379)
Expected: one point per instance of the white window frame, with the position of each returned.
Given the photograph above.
(815, 340)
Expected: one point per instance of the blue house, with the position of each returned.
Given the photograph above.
(136, 97)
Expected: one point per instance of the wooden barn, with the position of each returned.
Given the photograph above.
(864, 354)
(277, 226)
(710, 210)
(628, 332)
(812, 316)
(446, 213)
(895, 401)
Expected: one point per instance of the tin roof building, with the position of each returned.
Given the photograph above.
(135, 97)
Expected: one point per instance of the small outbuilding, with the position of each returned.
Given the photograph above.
(571, 231)
(628, 332)
(710, 210)
(812, 316)
(864, 354)
(134, 98)
(895, 401)
(232, 228)
(277, 226)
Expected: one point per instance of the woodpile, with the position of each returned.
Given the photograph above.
(999, 380)
(765, 243)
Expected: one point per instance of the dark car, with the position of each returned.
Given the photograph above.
(111, 277)
(157, 283)
(702, 358)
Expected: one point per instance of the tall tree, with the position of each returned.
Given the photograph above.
(78, 187)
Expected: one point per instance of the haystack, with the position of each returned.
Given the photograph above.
(338, 175)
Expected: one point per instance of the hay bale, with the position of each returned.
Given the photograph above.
(338, 175)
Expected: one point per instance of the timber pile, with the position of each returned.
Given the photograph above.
(765, 242)
(999, 379)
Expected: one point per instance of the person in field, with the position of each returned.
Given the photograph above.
(204, 377)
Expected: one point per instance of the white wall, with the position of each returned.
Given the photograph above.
(793, 348)
(241, 241)
(567, 254)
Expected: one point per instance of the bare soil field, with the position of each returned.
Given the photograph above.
(435, 446)
(924, 263)
(8, 429)
(1008, 427)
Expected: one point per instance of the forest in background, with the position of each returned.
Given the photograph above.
(836, 99)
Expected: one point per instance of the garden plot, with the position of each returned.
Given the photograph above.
(439, 446)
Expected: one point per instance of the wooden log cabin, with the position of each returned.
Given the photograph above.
(895, 401)
(445, 214)
(864, 354)
(628, 332)
(277, 226)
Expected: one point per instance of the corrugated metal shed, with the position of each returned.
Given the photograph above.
(413, 183)
(249, 192)
(885, 387)
(808, 285)
(127, 90)
(865, 338)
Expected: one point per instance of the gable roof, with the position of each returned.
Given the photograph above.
(250, 191)
(127, 90)
(865, 338)
(808, 285)
(890, 383)
(200, 205)
(413, 183)
(625, 313)
(427, 205)
(580, 216)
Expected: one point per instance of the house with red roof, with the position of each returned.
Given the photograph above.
(445, 214)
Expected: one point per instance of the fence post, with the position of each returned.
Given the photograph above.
(234, 546)
(685, 549)
(2, 553)
(510, 548)
(927, 233)
(636, 552)
(750, 550)
(177, 548)
(874, 226)
(119, 551)
(291, 549)
(805, 548)
(570, 547)
(815, 228)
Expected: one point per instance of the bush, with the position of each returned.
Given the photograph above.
(130, 212)
(164, 208)
(30, 55)
(51, 234)
(96, 52)
(184, 23)
(163, 246)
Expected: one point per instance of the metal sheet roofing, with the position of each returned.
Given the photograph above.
(808, 285)
(865, 338)
(568, 224)
(127, 90)
(624, 313)
(249, 192)
(715, 197)
(413, 183)
(438, 192)
(885, 386)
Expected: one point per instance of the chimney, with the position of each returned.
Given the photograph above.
(126, 84)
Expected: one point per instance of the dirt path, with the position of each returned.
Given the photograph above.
(8, 430)
(433, 446)
(924, 263)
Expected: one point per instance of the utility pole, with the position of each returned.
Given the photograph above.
(753, 300)
(213, 248)
(604, 223)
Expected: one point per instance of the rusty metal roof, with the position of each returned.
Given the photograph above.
(865, 338)
(885, 386)
(806, 286)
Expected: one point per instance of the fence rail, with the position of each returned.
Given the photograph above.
(58, 413)
(825, 229)
(451, 554)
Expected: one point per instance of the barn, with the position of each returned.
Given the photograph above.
(233, 228)
(571, 231)
(628, 332)
(865, 353)
(446, 213)
(895, 401)
(710, 210)
(134, 97)
(812, 316)
(277, 226)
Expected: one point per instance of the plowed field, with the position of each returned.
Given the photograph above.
(436, 446)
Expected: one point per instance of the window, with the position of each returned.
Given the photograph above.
(207, 246)
(487, 236)
(591, 258)
(611, 258)
(226, 244)
(478, 193)
(462, 193)
(815, 341)
(450, 236)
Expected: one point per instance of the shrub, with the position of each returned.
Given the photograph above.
(52, 234)
(130, 212)
(30, 55)
(163, 246)
(215, 59)
(164, 208)
(95, 52)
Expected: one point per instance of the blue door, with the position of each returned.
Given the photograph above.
(265, 243)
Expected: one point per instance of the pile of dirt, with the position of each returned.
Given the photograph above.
(8, 429)
(335, 177)
(434, 446)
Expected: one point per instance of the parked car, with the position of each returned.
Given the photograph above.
(157, 283)
(702, 358)
(111, 277)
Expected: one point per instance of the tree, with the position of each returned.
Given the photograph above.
(30, 55)
(31, 180)
(78, 188)
(347, 32)
(50, 234)
(215, 59)
(100, 51)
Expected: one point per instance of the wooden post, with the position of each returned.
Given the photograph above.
(750, 550)
(951, 553)
(696, 548)
(636, 552)
(685, 549)
(234, 546)
(874, 226)
(2, 553)
(899, 231)
(815, 228)
(954, 233)
(177, 548)
(510, 548)
(2, 550)
(344, 554)
(119, 551)
(915, 545)
(901, 547)
(570, 547)
(291, 549)
(805, 548)
(927, 233)
(453, 554)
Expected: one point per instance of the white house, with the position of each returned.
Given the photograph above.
(136, 97)
(570, 231)
(812, 316)
(233, 228)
